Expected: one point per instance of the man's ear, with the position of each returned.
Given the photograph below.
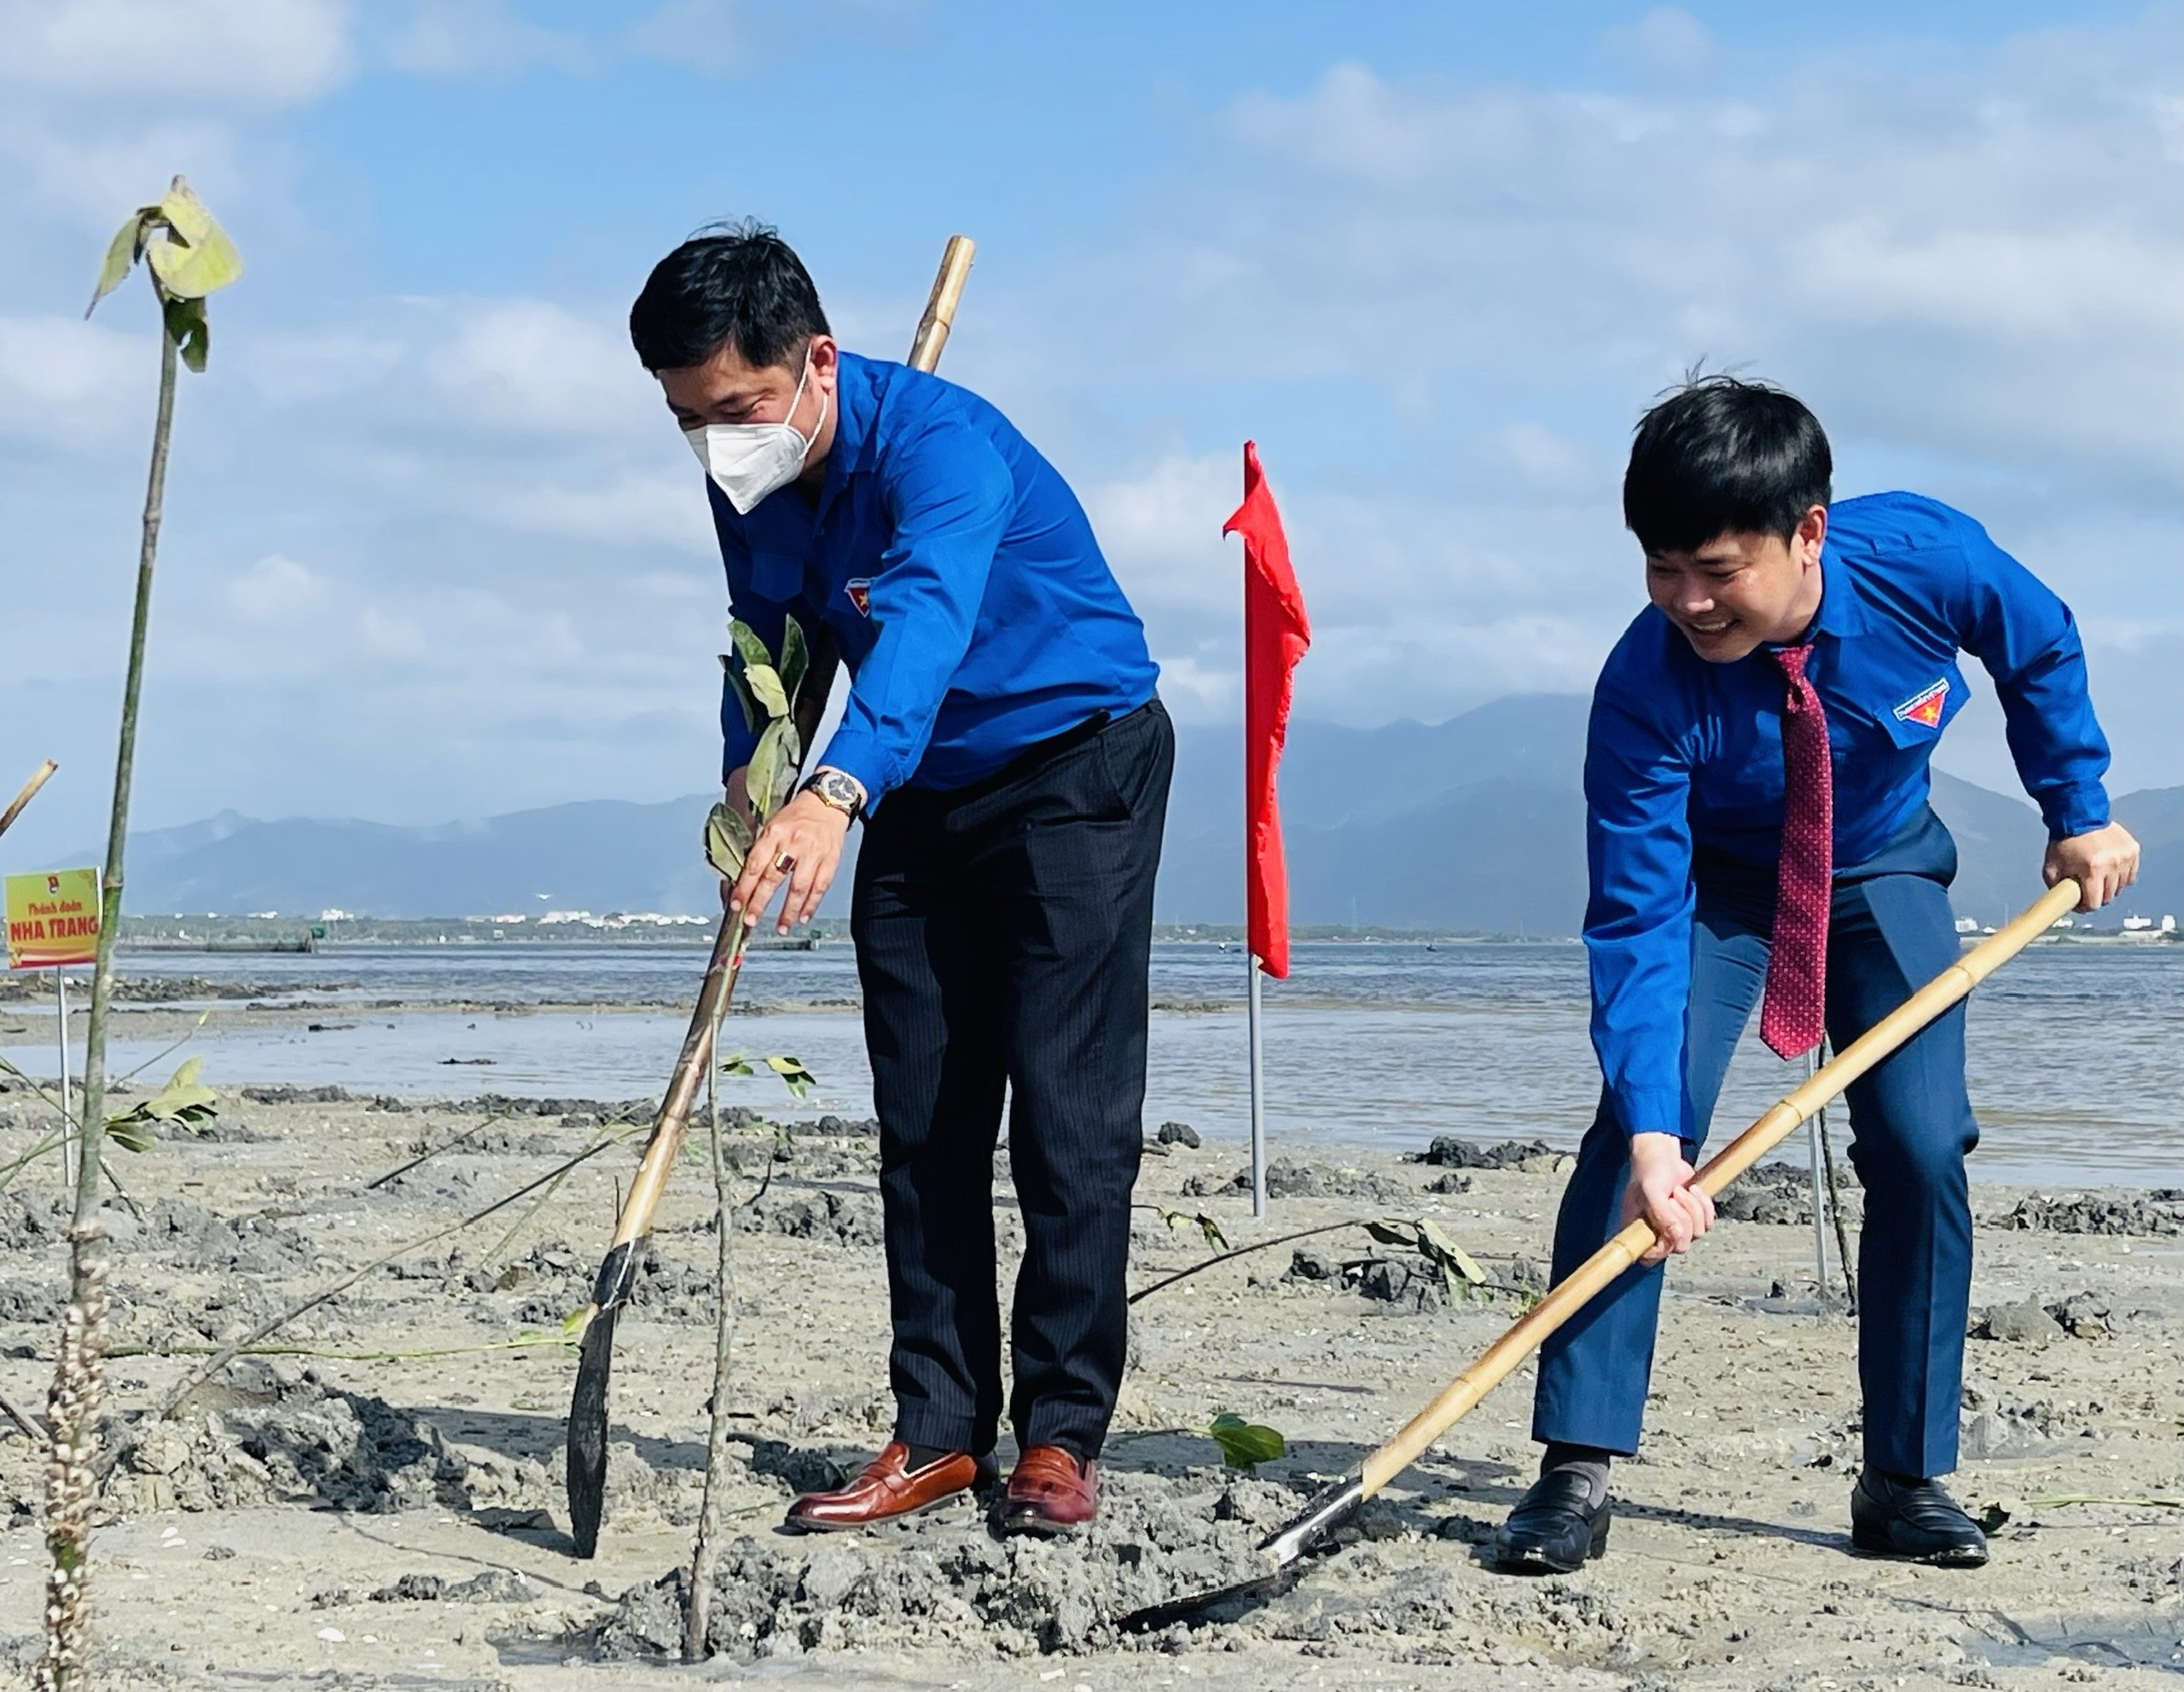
(826, 356)
(1811, 536)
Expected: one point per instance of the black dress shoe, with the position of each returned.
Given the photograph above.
(1915, 1520)
(1556, 1528)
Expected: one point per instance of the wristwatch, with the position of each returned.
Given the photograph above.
(841, 790)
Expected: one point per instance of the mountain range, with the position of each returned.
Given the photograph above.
(1474, 824)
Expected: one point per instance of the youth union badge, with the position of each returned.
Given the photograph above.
(860, 593)
(1924, 707)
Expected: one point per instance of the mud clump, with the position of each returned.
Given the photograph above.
(269, 1434)
(1780, 1193)
(1287, 1179)
(946, 1578)
(842, 1218)
(2160, 1212)
(188, 1235)
(1528, 1157)
(554, 1281)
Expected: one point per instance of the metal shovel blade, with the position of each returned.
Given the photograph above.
(588, 1433)
(1285, 1548)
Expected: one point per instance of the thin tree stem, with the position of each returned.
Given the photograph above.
(76, 1400)
(697, 1616)
(117, 833)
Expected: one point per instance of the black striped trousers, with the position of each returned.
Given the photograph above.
(1003, 932)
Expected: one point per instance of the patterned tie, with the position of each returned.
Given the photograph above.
(1792, 1021)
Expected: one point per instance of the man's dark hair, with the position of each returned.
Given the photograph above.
(1722, 455)
(736, 282)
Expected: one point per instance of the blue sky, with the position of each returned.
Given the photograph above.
(433, 551)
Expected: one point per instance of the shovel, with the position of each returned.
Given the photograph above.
(1284, 1549)
(618, 1272)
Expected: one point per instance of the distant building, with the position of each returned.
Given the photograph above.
(334, 914)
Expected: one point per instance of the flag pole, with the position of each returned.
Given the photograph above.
(1258, 1095)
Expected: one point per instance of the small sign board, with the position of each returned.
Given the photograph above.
(53, 918)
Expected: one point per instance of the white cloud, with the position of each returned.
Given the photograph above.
(1161, 532)
(1667, 44)
(479, 37)
(67, 383)
(267, 52)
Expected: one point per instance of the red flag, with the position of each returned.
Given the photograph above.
(1275, 635)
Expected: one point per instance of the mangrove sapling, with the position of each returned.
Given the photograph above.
(1245, 1444)
(768, 691)
(187, 256)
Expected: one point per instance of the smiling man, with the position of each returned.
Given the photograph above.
(1002, 743)
(1758, 831)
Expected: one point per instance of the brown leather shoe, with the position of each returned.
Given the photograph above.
(887, 1487)
(1048, 1493)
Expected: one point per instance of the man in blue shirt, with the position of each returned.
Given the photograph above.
(1756, 779)
(1004, 745)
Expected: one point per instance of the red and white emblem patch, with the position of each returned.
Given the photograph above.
(1924, 707)
(860, 593)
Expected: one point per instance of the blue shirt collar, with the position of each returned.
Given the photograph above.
(1842, 608)
(857, 401)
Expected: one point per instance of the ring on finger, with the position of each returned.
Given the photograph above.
(784, 863)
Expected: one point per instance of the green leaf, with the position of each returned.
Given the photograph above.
(120, 258)
(792, 761)
(765, 684)
(1992, 1518)
(1449, 1254)
(728, 841)
(795, 1077)
(574, 1323)
(131, 1133)
(1211, 1230)
(762, 773)
(772, 773)
(1245, 1444)
(184, 1099)
(188, 252)
(749, 649)
(191, 333)
(737, 1064)
(733, 672)
(1393, 1233)
(796, 659)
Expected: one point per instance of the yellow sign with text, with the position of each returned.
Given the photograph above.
(53, 918)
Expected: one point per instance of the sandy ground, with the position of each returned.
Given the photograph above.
(356, 1521)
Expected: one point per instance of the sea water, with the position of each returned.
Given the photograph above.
(2071, 1046)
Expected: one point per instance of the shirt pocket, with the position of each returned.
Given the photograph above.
(1922, 707)
(776, 577)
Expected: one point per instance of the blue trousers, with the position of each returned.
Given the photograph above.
(1890, 932)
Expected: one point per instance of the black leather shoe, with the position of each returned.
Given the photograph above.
(1918, 1522)
(1556, 1529)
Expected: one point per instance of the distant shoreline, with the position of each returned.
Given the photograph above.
(150, 936)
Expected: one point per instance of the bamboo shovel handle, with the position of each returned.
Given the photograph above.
(940, 306)
(30, 792)
(1579, 1288)
(659, 1160)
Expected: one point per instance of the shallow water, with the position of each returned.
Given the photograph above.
(2071, 1046)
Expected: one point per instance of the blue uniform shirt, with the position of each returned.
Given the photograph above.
(1681, 751)
(966, 594)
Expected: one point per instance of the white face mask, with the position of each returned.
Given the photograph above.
(749, 461)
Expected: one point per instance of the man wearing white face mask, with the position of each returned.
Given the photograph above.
(1002, 743)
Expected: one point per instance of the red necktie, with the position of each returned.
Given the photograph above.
(1791, 1019)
